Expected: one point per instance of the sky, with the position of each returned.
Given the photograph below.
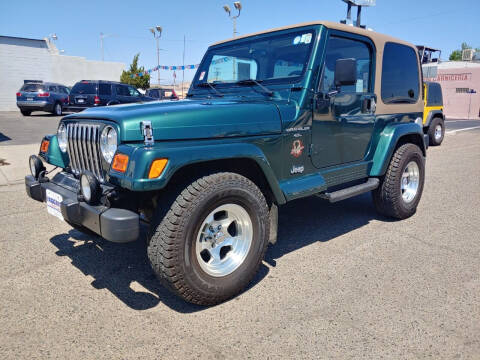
(440, 24)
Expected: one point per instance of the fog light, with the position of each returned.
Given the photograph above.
(90, 187)
(36, 166)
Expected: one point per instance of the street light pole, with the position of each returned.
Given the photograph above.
(157, 33)
(227, 9)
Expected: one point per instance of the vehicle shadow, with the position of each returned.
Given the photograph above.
(124, 269)
(4, 137)
(306, 221)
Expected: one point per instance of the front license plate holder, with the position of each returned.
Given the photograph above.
(53, 204)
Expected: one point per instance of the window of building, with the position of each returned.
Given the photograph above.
(400, 78)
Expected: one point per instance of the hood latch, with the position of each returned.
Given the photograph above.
(147, 131)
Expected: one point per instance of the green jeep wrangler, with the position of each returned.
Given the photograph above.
(317, 108)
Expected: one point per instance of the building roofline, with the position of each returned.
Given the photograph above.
(22, 38)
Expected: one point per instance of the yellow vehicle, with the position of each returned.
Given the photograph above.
(433, 118)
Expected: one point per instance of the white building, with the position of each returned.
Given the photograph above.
(32, 59)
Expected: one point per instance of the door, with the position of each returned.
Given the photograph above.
(343, 117)
(123, 94)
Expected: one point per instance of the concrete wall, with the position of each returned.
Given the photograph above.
(459, 75)
(31, 59)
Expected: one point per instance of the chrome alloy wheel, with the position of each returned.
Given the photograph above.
(58, 109)
(410, 181)
(438, 132)
(224, 239)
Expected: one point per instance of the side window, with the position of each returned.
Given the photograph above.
(400, 83)
(122, 90)
(343, 48)
(52, 89)
(132, 91)
(105, 89)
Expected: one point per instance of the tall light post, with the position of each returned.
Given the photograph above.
(157, 32)
(237, 6)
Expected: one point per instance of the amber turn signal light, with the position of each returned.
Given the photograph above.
(44, 146)
(120, 163)
(157, 168)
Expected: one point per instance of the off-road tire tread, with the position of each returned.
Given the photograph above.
(386, 197)
(168, 227)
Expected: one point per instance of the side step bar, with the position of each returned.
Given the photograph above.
(343, 194)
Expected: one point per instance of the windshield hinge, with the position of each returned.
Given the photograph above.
(147, 131)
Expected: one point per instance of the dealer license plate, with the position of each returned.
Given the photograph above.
(53, 204)
(80, 101)
(29, 99)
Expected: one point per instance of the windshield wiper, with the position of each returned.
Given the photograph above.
(211, 86)
(266, 90)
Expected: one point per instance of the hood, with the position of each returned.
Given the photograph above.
(189, 119)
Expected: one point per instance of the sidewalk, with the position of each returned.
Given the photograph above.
(17, 158)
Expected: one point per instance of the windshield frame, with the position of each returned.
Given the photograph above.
(213, 51)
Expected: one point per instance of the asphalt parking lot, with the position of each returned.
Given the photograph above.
(342, 281)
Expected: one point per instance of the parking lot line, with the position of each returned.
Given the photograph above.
(458, 130)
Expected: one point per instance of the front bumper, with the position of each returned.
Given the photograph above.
(113, 224)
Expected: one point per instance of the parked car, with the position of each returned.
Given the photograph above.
(162, 94)
(90, 93)
(317, 108)
(42, 96)
(433, 117)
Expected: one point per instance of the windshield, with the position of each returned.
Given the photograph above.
(274, 59)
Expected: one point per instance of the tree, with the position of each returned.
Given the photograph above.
(456, 55)
(140, 82)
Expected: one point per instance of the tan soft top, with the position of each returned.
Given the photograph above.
(374, 36)
(379, 40)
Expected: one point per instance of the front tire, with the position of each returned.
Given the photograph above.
(25, 112)
(211, 241)
(401, 188)
(436, 131)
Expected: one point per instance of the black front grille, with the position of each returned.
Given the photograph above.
(84, 148)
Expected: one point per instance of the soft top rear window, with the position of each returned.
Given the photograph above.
(32, 87)
(84, 88)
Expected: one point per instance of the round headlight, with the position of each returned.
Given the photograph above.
(36, 166)
(90, 187)
(108, 143)
(62, 137)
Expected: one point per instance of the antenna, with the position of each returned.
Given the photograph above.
(359, 4)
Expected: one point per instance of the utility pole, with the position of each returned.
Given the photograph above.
(101, 44)
(157, 33)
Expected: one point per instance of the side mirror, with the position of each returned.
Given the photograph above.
(345, 72)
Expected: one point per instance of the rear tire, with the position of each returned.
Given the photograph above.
(401, 188)
(57, 109)
(25, 112)
(189, 239)
(436, 131)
